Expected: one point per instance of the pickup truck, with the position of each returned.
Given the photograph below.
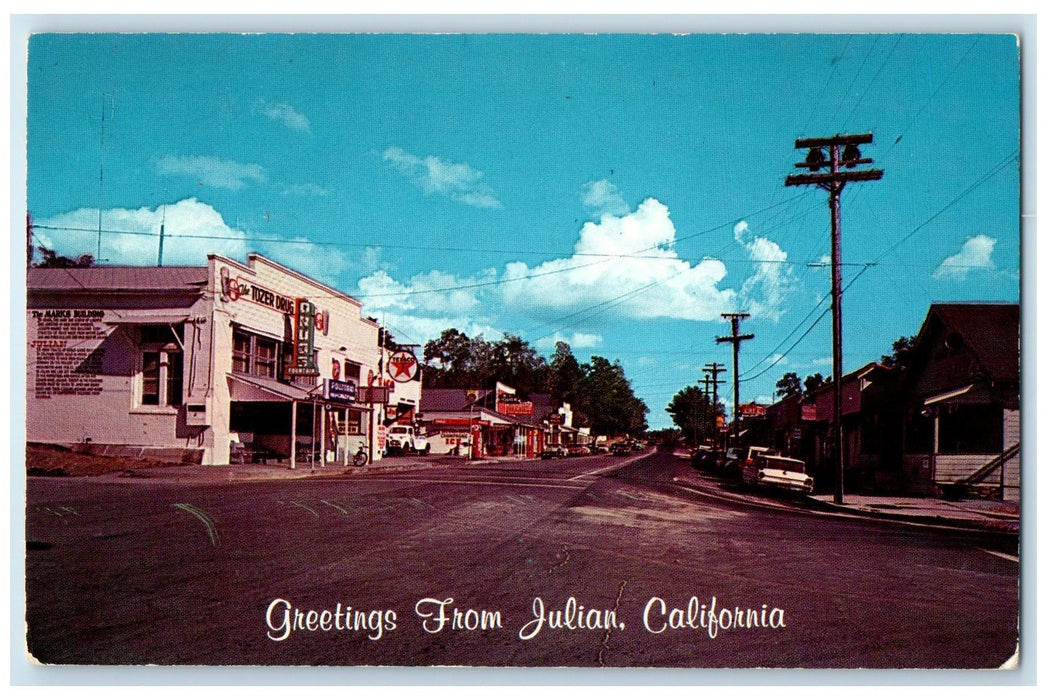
(402, 439)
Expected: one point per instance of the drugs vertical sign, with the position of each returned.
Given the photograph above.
(302, 362)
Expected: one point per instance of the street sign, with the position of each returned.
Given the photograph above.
(373, 394)
(342, 392)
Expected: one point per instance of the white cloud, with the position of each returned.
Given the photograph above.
(412, 328)
(212, 171)
(433, 175)
(307, 189)
(763, 292)
(321, 262)
(657, 285)
(625, 266)
(576, 340)
(286, 114)
(603, 197)
(426, 294)
(976, 252)
(192, 229)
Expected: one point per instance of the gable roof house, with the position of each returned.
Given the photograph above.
(963, 428)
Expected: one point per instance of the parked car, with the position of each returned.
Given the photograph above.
(577, 451)
(777, 472)
(703, 458)
(738, 457)
(621, 448)
(402, 439)
(553, 452)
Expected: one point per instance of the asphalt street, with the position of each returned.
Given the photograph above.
(581, 562)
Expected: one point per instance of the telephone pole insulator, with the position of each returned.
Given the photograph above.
(840, 166)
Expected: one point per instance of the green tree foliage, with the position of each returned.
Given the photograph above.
(52, 259)
(456, 360)
(788, 385)
(606, 398)
(901, 353)
(692, 411)
(565, 375)
(598, 391)
(813, 382)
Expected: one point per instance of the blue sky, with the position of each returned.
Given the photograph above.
(618, 192)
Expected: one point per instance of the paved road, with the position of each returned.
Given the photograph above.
(621, 561)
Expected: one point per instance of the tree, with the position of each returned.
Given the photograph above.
(901, 353)
(607, 399)
(456, 360)
(565, 375)
(449, 361)
(813, 382)
(53, 259)
(692, 411)
(788, 385)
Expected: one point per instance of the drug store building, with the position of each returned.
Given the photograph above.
(204, 364)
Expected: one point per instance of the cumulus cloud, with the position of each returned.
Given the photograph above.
(576, 340)
(763, 293)
(212, 171)
(433, 175)
(285, 114)
(325, 263)
(976, 252)
(623, 266)
(192, 229)
(428, 293)
(603, 197)
(657, 285)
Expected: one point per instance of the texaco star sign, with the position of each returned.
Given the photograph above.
(403, 366)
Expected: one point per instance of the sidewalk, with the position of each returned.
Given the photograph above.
(992, 516)
(276, 471)
(1002, 517)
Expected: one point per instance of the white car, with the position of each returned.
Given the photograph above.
(777, 472)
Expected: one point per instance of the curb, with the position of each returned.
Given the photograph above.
(1006, 527)
(816, 507)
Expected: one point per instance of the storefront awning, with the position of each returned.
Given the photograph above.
(247, 387)
(931, 400)
(149, 317)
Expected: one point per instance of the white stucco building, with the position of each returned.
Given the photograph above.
(195, 363)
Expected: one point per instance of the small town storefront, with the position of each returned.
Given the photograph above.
(205, 364)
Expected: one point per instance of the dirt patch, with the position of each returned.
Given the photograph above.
(54, 460)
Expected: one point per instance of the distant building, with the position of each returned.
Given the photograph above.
(496, 422)
(206, 363)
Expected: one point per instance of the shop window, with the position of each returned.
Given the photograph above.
(254, 354)
(970, 429)
(161, 378)
(150, 378)
(161, 364)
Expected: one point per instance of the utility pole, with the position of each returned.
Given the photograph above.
(735, 339)
(833, 182)
(714, 369)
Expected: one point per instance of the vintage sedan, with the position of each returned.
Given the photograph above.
(777, 472)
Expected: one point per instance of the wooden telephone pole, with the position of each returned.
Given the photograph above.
(735, 339)
(833, 182)
(714, 370)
